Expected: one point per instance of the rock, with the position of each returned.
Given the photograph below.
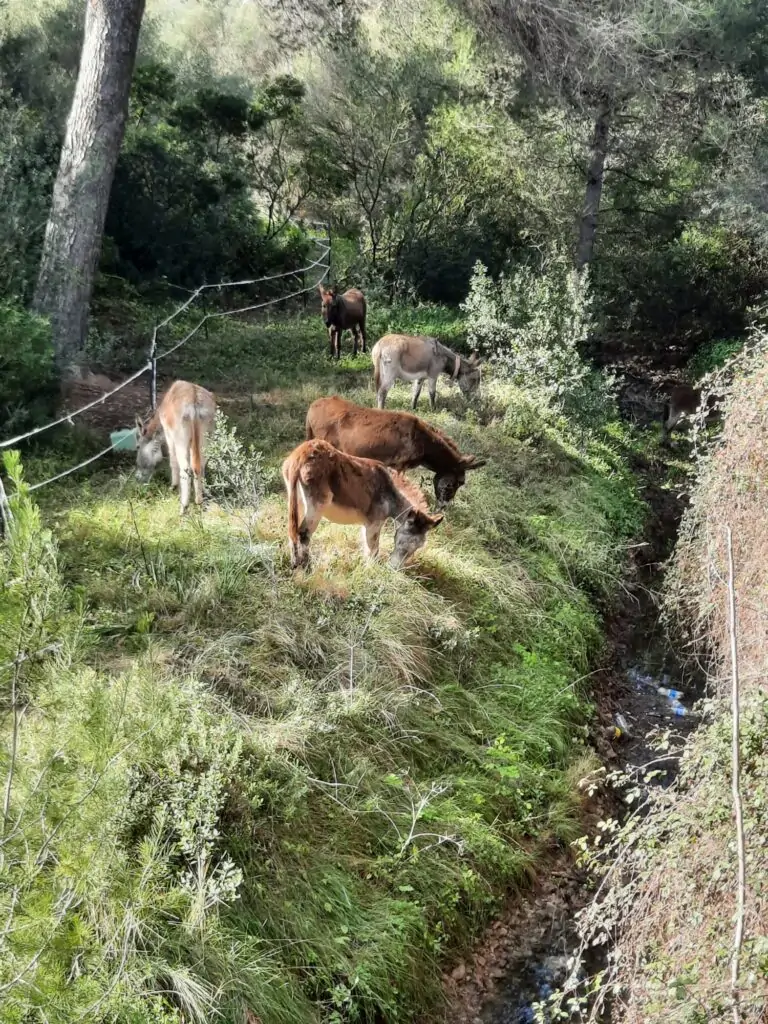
(459, 972)
(498, 973)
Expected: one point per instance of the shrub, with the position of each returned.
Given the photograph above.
(235, 471)
(532, 325)
(27, 370)
(712, 355)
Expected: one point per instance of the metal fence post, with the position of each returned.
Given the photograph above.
(6, 516)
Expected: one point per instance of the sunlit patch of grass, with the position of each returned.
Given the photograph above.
(400, 743)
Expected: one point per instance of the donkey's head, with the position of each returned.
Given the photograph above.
(468, 378)
(149, 453)
(448, 482)
(329, 303)
(411, 534)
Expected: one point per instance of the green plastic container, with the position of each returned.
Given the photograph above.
(123, 440)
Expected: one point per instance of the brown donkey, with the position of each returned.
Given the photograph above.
(347, 490)
(683, 401)
(341, 313)
(183, 419)
(398, 439)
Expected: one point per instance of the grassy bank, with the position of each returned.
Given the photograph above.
(289, 798)
(674, 954)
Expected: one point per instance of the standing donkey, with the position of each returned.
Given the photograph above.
(344, 489)
(184, 417)
(418, 358)
(398, 439)
(684, 401)
(341, 313)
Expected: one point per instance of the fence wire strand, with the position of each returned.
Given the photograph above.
(68, 417)
(151, 365)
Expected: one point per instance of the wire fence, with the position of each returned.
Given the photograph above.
(322, 262)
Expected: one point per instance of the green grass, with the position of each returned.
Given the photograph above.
(712, 355)
(298, 794)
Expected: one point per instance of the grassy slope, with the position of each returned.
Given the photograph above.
(368, 760)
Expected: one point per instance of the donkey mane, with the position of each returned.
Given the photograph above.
(441, 438)
(409, 490)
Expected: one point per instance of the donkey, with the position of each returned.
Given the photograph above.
(345, 489)
(186, 415)
(418, 358)
(342, 312)
(398, 439)
(685, 400)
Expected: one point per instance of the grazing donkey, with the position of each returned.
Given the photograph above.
(418, 358)
(345, 489)
(342, 312)
(185, 414)
(685, 400)
(398, 439)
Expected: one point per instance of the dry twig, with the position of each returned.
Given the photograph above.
(735, 786)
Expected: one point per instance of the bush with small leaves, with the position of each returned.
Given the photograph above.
(533, 324)
(235, 471)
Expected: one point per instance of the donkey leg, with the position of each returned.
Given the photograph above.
(381, 395)
(174, 463)
(416, 392)
(185, 473)
(355, 329)
(432, 388)
(371, 533)
(362, 335)
(199, 484)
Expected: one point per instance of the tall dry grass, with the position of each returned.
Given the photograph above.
(681, 875)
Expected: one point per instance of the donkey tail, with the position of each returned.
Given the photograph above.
(195, 452)
(291, 477)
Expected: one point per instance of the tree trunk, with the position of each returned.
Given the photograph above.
(595, 174)
(94, 134)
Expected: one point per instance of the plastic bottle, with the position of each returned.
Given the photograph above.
(672, 694)
(677, 709)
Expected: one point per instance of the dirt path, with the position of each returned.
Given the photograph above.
(524, 955)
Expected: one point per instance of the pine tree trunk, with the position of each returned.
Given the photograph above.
(595, 174)
(94, 134)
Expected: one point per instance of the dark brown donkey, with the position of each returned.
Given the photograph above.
(398, 439)
(341, 313)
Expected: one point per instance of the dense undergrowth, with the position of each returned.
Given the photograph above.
(668, 889)
(232, 790)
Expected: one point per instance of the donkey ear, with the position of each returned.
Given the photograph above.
(472, 462)
(320, 287)
(435, 520)
(139, 424)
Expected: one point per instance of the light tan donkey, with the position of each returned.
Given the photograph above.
(416, 358)
(183, 419)
(348, 490)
